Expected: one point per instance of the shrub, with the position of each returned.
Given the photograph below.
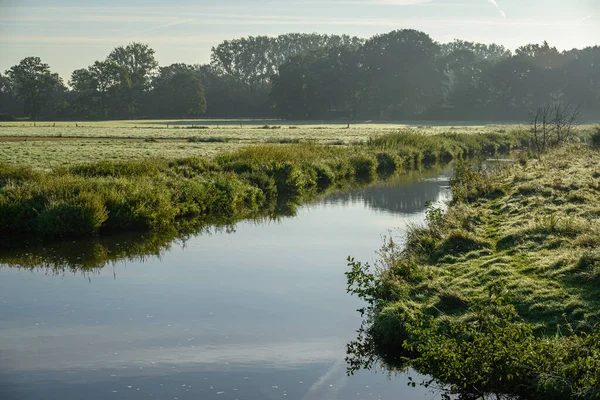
(228, 196)
(420, 242)
(18, 210)
(365, 168)
(191, 197)
(387, 163)
(325, 176)
(288, 178)
(469, 184)
(193, 166)
(264, 182)
(140, 204)
(78, 216)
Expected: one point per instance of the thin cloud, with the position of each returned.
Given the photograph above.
(155, 28)
(587, 18)
(498, 8)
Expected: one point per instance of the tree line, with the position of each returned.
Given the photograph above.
(403, 74)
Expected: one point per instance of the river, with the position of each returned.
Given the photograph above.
(254, 311)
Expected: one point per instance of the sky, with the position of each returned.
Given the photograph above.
(72, 34)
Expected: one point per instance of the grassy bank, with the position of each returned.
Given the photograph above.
(501, 292)
(93, 198)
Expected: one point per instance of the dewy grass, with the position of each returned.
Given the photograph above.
(149, 193)
(51, 144)
(502, 292)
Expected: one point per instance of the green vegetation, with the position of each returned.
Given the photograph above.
(402, 74)
(88, 199)
(498, 294)
(88, 255)
(52, 144)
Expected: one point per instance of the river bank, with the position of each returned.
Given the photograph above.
(498, 294)
(252, 311)
(109, 196)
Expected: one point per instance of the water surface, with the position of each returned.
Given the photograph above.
(256, 311)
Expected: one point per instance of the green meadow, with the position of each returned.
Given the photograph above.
(51, 144)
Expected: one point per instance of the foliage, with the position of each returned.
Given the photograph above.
(498, 294)
(101, 90)
(402, 74)
(33, 84)
(152, 193)
(177, 92)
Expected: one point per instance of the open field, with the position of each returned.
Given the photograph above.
(52, 144)
(46, 154)
(499, 294)
(229, 130)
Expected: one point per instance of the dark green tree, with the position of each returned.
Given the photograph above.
(402, 76)
(34, 84)
(178, 92)
(9, 104)
(137, 59)
(101, 90)
(581, 77)
(319, 84)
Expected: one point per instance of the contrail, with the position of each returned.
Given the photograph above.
(586, 18)
(498, 7)
(318, 390)
(154, 28)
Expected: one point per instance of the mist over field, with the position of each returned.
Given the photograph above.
(400, 75)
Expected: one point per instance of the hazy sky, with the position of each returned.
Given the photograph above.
(70, 34)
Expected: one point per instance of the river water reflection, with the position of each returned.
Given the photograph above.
(256, 311)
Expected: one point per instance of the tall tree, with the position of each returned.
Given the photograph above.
(402, 74)
(178, 92)
(465, 64)
(139, 62)
(254, 60)
(9, 104)
(34, 84)
(101, 89)
(581, 77)
(319, 84)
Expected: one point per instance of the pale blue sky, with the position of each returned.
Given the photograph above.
(71, 34)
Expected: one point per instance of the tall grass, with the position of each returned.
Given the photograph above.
(88, 199)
